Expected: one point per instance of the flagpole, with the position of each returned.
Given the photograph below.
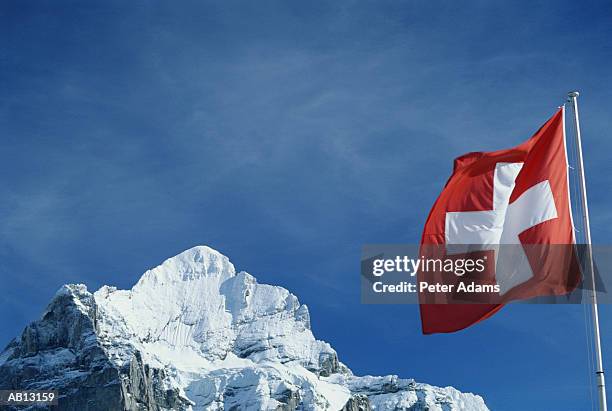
(601, 385)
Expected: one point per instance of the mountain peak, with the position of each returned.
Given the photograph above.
(197, 262)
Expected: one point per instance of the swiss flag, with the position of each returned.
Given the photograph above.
(517, 196)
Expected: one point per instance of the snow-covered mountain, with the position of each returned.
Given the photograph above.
(193, 334)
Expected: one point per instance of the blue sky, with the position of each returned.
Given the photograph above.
(287, 135)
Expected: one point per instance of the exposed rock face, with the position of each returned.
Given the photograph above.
(359, 402)
(62, 351)
(193, 334)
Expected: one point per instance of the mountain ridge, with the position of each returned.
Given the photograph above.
(193, 333)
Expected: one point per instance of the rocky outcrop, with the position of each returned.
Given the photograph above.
(145, 388)
(194, 334)
(359, 402)
(61, 351)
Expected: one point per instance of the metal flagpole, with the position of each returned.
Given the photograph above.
(601, 385)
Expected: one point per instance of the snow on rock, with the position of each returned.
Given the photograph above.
(193, 334)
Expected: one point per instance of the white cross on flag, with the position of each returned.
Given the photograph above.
(503, 203)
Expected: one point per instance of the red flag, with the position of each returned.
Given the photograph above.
(517, 196)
